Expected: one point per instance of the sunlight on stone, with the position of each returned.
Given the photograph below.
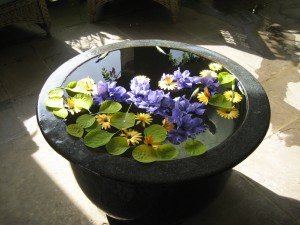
(90, 41)
(59, 171)
(228, 37)
(292, 92)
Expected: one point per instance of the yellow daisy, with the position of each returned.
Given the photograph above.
(215, 66)
(143, 118)
(104, 120)
(148, 140)
(204, 96)
(73, 108)
(232, 113)
(167, 125)
(167, 83)
(205, 73)
(236, 98)
(132, 136)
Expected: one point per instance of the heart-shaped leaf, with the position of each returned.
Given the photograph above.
(194, 147)
(157, 132)
(83, 100)
(55, 102)
(110, 107)
(167, 152)
(75, 130)
(220, 101)
(61, 113)
(57, 92)
(117, 146)
(85, 120)
(96, 138)
(144, 154)
(121, 120)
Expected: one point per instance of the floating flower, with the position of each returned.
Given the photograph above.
(148, 140)
(204, 96)
(215, 66)
(110, 91)
(184, 80)
(104, 120)
(211, 83)
(72, 107)
(167, 125)
(237, 97)
(167, 82)
(211, 73)
(143, 118)
(232, 113)
(132, 136)
(140, 85)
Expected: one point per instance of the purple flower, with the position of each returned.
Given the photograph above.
(184, 80)
(109, 91)
(139, 85)
(211, 83)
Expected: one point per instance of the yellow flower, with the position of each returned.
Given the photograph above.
(215, 66)
(143, 118)
(205, 73)
(237, 97)
(232, 113)
(132, 136)
(104, 120)
(167, 83)
(148, 140)
(204, 96)
(73, 108)
(167, 125)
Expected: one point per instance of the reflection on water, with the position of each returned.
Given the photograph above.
(130, 62)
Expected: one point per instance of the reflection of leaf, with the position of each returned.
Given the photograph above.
(55, 102)
(220, 101)
(61, 113)
(158, 133)
(117, 146)
(144, 154)
(194, 147)
(167, 152)
(75, 130)
(110, 107)
(96, 138)
(83, 100)
(121, 120)
(85, 120)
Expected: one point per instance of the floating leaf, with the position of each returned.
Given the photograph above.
(102, 56)
(95, 125)
(110, 107)
(85, 120)
(167, 152)
(194, 147)
(75, 130)
(225, 77)
(158, 133)
(121, 120)
(160, 50)
(117, 146)
(57, 92)
(55, 102)
(144, 154)
(96, 138)
(61, 113)
(220, 101)
(83, 100)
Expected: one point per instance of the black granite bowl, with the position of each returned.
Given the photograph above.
(127, 189)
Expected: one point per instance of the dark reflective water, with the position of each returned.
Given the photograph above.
(149, 61)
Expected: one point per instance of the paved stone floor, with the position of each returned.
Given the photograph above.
(36, 184)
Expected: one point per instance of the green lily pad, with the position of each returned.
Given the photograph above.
(144, 154)
(110, 107)
(83, 100)
(121, 120)
(167, 152)
(75, 130)
(85, 120)
(194, 147)
(117, 146)
(158, 133)
(57, 92)
(55, 102)
(225, 78)
(61, 113)
(96, 138)
(220, 101)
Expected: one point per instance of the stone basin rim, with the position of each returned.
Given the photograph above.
(220, 158)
